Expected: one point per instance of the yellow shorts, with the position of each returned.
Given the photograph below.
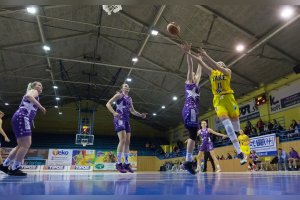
(226, 106)
(245, 149)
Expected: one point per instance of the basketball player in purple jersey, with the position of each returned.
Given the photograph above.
(190, 109)
(207, 144)
(122, 127)
(22, 121)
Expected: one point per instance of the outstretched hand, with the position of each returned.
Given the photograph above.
(186, 48)
(144, 115)
(201, 52)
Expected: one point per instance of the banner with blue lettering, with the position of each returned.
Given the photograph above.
(264, 145)
(285, 97)
(248, 111)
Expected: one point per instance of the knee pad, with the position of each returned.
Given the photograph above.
(193, 133)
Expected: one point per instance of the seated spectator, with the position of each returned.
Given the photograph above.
(298, 127)
(277, 126)
(254, 131)
(229, 157)
(218, 157)
(222, 157)
(293, 126)
(260, 125)
(293, 158)
(235, 155)
(270, 126)
(282, 159)
(248, 128)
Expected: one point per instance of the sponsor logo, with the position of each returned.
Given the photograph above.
(82, 167)
(99, 166)
(57, 152)
(33, 167)
(275, 104)
(55, 167)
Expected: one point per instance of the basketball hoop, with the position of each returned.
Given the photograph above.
(111, 8)
(84, 142)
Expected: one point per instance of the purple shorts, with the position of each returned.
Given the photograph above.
(206, 146)
(21, 125)
(122, 125)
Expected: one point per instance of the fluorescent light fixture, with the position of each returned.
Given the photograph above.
(134, 59)
(240, 48)
(31, 9)
(154, 32)
(46, 48)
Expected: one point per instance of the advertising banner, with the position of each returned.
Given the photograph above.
(61, 157)
(264, 145)
(285, 97)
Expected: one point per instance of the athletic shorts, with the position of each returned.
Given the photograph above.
(226, 106)
(245, 150)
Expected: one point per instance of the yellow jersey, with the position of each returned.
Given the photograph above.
(220, 83)
(244, 140)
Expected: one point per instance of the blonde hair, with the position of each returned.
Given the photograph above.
(1, 113)
(221, 64)
(31, 86)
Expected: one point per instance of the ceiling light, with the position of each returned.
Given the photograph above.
(7, 104)
(175, 98)
(31, 9)
(55, 106)
(46, 48)
(154, 32)
(55, 87)
(134, 59)
(154, 114)
(60, 113)
(57, 98)
(287, 12)
(240, 48)
(128, 79)
(163, 107)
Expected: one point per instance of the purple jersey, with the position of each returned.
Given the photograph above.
(23, 118)
(190, 109)
(27, 108)
(123, 107)
(205, 135)
(206, 144)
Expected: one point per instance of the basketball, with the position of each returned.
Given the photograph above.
(173, 28)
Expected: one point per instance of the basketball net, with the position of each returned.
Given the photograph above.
(84, 142)
(111, 8)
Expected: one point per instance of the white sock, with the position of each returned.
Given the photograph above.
(119, 157)
(7, 162)
(236, 126)
(16, 165)
(237, 147)
(231, 134)
(126, 158)
(188, 157)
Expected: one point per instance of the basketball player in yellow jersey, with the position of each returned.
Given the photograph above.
(244, 142)
(224, 102)
(245, 147)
